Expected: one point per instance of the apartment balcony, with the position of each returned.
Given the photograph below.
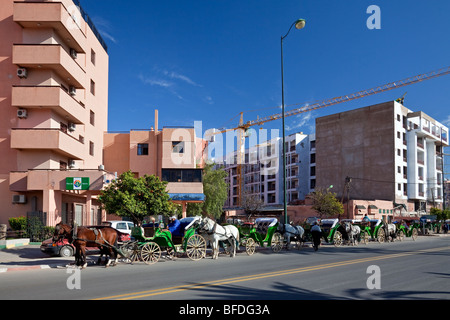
(21, 181)
(48, 139)
(49, 97)
(52, 15)
(50, 56)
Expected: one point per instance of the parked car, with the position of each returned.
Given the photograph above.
(122, 226)
(63, 248)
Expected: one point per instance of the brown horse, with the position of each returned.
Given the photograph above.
(104, 238)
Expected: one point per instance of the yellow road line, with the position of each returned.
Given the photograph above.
(149, 293)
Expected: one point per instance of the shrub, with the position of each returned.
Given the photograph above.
(18, 223)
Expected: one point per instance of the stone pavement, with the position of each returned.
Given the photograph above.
(29, 257)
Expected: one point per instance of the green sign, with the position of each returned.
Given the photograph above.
(77, 183)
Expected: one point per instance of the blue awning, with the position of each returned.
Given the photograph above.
(187, 196)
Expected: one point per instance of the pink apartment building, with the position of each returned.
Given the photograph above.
(174, 154)
(53, 107)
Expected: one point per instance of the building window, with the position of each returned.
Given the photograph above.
(177, 146)
(91, 148)
(92, 118)
(182, 175)
(92, 87)
(93, 57)
(142, 149)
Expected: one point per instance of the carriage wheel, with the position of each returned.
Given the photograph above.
(337, 239)
(277, 242)
(381, 236)
(196, 247)
(250, 246)
(414, 234)
(150, 252)
(130, 251)
(401, 235)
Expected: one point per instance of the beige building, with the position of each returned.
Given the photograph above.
(174, 154)
(54, 107)
(382, 152)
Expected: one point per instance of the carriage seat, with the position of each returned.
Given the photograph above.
(178, 231)
(263, 224)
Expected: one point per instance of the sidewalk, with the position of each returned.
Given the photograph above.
(29, 257)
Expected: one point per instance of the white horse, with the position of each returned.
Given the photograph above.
(290, 231)
(353, 232)
(391, 232)
(214, 232)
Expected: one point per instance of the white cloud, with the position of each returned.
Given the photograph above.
(175, 75)
(446, 122)
(300, 121)
(155, 82)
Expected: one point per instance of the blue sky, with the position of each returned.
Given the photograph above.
(208, 60)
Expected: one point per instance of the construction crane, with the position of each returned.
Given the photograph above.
(244, 126)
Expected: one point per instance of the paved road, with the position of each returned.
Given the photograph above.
(407, 270)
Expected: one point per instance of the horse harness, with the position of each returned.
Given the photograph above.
(214, 231)
(96, 232)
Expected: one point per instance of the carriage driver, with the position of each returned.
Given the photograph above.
(316, 234)
(173, 224)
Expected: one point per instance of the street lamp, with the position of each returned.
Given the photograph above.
(299, 24)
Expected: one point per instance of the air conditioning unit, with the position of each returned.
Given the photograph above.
(71, 163)
(71, 126)
(72, 91)
(22, 113)
(22, 73)
(19, 198)
(73, 53)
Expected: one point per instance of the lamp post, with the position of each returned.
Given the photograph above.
(299, 24)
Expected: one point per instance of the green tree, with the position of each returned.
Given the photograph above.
(137, 198)
(325, 203)
(215, 189)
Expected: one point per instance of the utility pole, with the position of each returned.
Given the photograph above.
(348, 180)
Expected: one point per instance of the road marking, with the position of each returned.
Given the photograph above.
(155, 292)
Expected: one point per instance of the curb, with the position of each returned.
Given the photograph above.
(24, 268)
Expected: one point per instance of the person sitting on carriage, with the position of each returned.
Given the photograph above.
(173, 224)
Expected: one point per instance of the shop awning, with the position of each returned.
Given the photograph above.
(194, 197)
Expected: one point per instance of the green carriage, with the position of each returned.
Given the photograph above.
(408, 230)
(374, 229)
(151, 240)
(333, 232)
(262, 233)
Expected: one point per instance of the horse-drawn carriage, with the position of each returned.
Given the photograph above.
(408, 229)
(151, 240)
(264, 232)
(378, 230)
(333, 231)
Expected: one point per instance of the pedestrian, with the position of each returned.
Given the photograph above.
(316, 235)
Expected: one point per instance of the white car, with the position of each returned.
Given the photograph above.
(122, 226)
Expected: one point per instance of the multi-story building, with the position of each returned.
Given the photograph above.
(262, 171)
(54, 107)
(174, 154)
(447, 194)
(382, 152)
